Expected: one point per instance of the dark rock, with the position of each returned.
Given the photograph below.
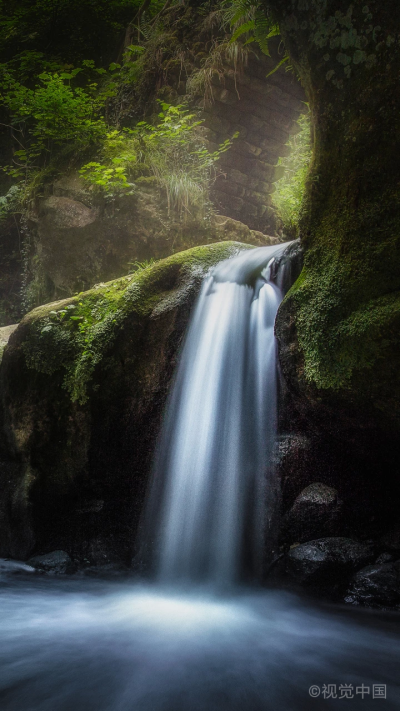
(108, 570)
(296, 464)
(102, 551)
(315, 513)
(328, 561)
(364, 479)
(376, 586)
(81, 240)
(79, 435)
(91, 506)
(55, 563)
(391, 540)
(384, 558)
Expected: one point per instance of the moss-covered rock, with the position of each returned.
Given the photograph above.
(83, 383)
(339, 325)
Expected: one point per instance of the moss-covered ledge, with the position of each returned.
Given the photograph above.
(83, 384)
(339, 326)
(74, 335)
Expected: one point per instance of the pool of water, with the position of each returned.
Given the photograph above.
(90, 645)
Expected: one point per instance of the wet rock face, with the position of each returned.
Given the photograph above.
(80, 240)
(54, 563)
(338, 327)
(376, 585)
(317, 511)
(327, 562)
(355, 501)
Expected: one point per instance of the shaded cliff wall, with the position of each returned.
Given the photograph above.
(339, 325)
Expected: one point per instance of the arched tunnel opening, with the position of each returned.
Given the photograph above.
(262, 105)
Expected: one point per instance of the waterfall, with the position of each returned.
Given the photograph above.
(214, 454)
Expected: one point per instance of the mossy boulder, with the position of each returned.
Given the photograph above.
(339, 327)
(83, 385)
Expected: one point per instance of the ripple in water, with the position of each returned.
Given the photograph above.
(95, 646)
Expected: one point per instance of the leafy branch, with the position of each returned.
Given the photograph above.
(173, 152)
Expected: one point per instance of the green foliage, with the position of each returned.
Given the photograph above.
(138, 266)
(62, 30)
(10, 202)
(173, 152)
(49, 117)
(290, 189)
(54, 99)
(112, 180)
(249, 20)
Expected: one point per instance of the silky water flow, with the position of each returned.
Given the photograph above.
(199, 638)
(213, 462)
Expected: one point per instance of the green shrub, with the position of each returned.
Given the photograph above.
(290, 189)
(65, 30)
(173, 152)
(50, 115)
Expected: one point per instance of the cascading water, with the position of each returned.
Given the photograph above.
(214, 455)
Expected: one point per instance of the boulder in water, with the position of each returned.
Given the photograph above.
(55, 563)
(315, 513)
(328, 562)
(376, 585)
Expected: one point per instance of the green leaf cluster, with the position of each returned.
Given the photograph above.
(62, 31)
(52, 114)
(173, 152)
(250, 21)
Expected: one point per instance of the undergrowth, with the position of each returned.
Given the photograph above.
(172, 151)
(290, 188)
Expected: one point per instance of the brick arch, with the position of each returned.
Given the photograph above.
(265, 112)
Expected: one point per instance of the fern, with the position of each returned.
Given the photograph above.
(240, 11)
(139, 266)
(243, 29)
(264, 31)
(245, 17)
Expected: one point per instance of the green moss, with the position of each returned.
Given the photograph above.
(339, 324)
(77, 334)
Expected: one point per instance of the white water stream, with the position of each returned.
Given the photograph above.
(213, 461)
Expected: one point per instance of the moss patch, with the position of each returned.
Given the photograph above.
(339, 325)
(75, 335)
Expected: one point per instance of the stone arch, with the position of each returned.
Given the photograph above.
(264, 110)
